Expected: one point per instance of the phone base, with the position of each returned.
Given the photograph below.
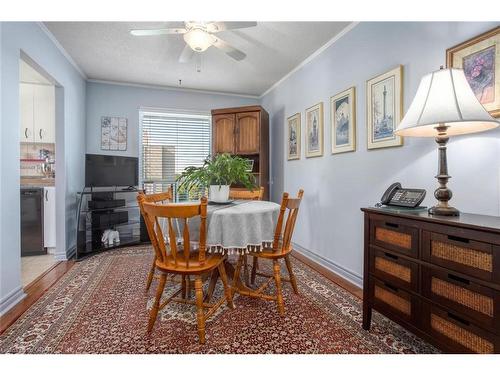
(444, 211)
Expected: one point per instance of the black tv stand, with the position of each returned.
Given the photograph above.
(93, 220)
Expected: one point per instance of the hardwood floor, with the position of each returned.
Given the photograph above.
(34, 291)
(39, 286)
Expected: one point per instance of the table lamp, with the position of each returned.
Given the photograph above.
(444, 105)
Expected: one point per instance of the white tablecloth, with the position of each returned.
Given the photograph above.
(241, 226)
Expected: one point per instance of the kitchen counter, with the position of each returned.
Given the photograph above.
(37, 182)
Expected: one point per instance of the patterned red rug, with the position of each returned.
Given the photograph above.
(100, 306)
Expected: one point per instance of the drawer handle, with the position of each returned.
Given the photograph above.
(392, 225)
(393, 288)
(392, 256)
(459, 279)
(458, 319)
(459, 239)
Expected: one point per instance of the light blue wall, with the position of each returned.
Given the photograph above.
(29, 38)
(336, 186)
(120, 100)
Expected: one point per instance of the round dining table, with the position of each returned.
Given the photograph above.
(241, 226)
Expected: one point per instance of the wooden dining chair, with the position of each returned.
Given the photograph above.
(164, 197)
(244, 194)
(181, 259)
(281, 249)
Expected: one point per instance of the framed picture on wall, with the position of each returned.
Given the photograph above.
(343, 121)
(479, 57)
(314, 131)
(113, 133)
(384, 108)
(294, 138)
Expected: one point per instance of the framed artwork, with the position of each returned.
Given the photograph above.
(314, 131)
(479, 57)
(113, 133)
(384, 108)
(293, 123)
(343, 121)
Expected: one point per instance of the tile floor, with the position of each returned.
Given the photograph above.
(34, 266)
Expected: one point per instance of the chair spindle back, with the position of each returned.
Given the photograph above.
(257, 194)
(154, 212)
(292, 205)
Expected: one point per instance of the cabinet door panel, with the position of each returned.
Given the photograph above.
(49, 217)
(223, 134)
(26, 92)
(44, 114)
(248, 133)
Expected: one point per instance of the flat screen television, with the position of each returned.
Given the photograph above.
(110, 170)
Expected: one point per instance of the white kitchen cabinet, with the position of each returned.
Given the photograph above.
(37, 106)
(26, 98)
(44, 114)
(49, 218)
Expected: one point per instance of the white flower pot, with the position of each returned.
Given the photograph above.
(219, 193)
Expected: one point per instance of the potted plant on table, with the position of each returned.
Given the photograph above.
(218, 174)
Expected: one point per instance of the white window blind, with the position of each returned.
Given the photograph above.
(170, 142)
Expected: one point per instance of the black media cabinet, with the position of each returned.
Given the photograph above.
(107, 208)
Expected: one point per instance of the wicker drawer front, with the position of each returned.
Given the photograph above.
(473, 258)
(458, 333)
(394, 236)
(397, 271)
(389, 298)
(477, 302)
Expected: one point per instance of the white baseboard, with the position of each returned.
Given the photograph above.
(11, 299)
(67, 255)
(337, 269)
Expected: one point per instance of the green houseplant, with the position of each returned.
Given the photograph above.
(217, 174)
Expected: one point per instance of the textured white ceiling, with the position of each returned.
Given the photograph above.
(106, 51)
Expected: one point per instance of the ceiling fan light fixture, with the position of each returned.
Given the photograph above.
(199, 40)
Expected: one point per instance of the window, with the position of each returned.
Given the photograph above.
(170, 142)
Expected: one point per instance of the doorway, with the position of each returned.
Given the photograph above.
(37, 126)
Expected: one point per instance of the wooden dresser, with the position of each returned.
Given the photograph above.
(438, 277)
(244, 131)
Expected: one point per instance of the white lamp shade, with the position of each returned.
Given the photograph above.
(445, 97)
(199, 40)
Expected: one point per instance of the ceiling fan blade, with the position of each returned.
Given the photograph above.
(214, 27)
(229, 50)
(186, 54)
(149, 32)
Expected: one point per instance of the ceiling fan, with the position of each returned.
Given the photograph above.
(199, 36)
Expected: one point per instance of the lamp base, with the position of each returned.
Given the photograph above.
(444, 211)
(442, 193)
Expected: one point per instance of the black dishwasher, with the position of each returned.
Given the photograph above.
(32, 222)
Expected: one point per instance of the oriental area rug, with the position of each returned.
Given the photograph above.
(100, 306)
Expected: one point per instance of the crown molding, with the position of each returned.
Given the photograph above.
(311, 57)
(171, 88)
(61, 49)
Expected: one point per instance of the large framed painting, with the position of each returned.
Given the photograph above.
(384, 108)
(293, 123)
(479, 57)
(314, 131)
(343, 121)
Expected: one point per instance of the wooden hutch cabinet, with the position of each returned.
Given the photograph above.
(244, 131)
